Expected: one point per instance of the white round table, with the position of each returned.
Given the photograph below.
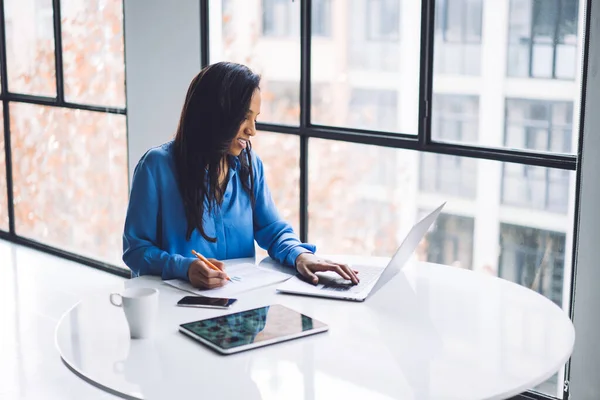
(432, 332)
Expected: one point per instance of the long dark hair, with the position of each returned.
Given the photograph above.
(215, 107)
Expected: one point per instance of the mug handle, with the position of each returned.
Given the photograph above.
(112, 299)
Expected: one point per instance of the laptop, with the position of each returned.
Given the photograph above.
(372, 278)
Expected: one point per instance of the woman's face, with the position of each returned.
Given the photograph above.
(248, 126)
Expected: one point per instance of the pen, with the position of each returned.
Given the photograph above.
(210, 265)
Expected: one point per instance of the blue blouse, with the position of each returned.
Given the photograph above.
(154, 241)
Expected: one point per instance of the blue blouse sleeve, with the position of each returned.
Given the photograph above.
(140, 237)
(270, 231)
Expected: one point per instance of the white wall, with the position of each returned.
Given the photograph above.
(585, 362)
(162, 55)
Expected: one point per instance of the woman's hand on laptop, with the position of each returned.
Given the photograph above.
(307, 264)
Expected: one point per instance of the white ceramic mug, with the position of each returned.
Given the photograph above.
(140, 306)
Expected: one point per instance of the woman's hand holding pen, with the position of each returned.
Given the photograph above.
(204, 277)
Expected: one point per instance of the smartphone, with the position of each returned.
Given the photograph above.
(207, 302)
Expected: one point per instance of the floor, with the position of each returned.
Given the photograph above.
(35, 290)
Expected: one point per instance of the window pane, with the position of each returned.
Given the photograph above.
(360, 75)
(477, 77)
(70, 178)
(455, 118)
(450, 241)
(367, 207)
(265, 36)
(534, 258)
(3, 193)
(543, 40)
(30, 47)
(280, 154)
(458, 37)
(92, 42)
(321, 17)
(540, 125)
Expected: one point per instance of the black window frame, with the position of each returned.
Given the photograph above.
(7, 97)
(422, 141)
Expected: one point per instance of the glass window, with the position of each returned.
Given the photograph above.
(30, 47)
(64, 196)
(454, 118)
(238, 38)
(383, 19)
(373, 109)
(544, 126)
(533, 258)
(451, 175)
(3, 192)
(362, 62)
(352, 211)
(536, 188)
(450, 241)
(459, 21)
(539, 125)
(92, 44)
(321, 18)
(279, 18)
(280, 154)
(543, 38)
(355, 209)
(458, 25)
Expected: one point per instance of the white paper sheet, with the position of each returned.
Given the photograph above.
(245, 277)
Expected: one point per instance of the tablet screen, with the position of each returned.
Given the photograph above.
(253, 326)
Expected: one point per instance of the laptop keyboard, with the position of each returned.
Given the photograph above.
(366, 275)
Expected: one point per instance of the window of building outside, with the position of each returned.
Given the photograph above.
(373, 109)
(450, 241)
(458, 36)
(383, 20)
(69, 165)
(533, 258)
(278, 18)
(543, 38)
(537, 125)
(454, 118)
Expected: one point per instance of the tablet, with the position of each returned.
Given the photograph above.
(250, 329)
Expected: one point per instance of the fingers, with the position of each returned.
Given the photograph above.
(308, 274)
(341, 269)
(217, 263)
(202, 276)
(338, 270)
(350, 272)
(200, 281)
(208, 272)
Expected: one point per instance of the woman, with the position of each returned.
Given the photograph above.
(206, 191)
